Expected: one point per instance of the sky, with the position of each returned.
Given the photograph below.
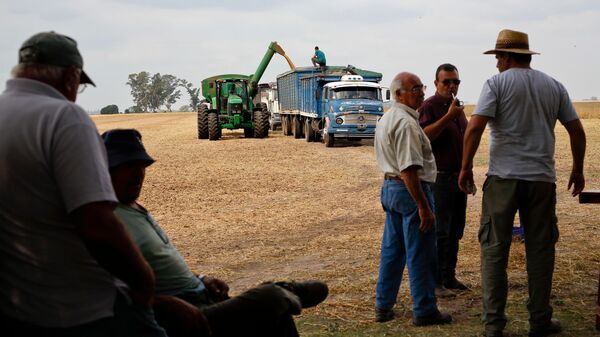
(193, 40)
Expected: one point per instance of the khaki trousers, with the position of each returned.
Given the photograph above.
(536, 203)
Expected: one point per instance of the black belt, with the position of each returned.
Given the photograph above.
(449, 173)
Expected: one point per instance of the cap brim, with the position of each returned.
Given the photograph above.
(120, 158)
(516, 51)
(85, 79)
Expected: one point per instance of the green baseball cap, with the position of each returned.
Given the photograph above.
(54, 49)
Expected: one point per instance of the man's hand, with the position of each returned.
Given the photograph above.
(218, 289)
(427, 219)
(577, 181)
(466, 182)
(455, 110)
(179, 318)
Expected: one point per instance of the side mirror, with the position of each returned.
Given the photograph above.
(318, 94)
(387, 95)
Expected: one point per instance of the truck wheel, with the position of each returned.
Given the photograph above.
(285, 125)
(296, 127)
(308, 131)
(328, 140)
(202, 122)
(288, 125)
(214, 131)
(261, 123)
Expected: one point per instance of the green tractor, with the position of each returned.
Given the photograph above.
(229, 102)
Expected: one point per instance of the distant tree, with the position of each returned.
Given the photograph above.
(134, 109)
(140, 84)
(185, 108)
(194, 93)
(151, 93)
(109, 110)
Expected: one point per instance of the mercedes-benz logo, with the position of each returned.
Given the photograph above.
(361, 118)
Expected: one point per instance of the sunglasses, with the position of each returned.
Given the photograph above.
(447, 82)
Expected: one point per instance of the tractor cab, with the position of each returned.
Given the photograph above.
(232, 96)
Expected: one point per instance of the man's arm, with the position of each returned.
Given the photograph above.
(108, 242)
(578, 142)
(433, 130)
(473, 135)
(180, 318)
(413, 184)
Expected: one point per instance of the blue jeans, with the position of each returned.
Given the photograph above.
(450, 212)
(403, 243)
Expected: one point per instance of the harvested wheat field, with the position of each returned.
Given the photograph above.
(251, 210)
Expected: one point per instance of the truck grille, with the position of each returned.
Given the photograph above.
(361, 118)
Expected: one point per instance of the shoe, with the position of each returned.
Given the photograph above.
(443, 292)
(384, 315)
(552, 328)
(455, 284)
(433, 319)
(310, 293)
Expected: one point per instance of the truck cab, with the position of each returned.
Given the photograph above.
(351, 108)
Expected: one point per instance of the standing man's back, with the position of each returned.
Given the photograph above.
(521, 106)
(61, 246)
(524, 114)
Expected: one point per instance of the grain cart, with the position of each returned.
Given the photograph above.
(229, 102)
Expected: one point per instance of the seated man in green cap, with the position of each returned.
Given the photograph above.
(265, 310)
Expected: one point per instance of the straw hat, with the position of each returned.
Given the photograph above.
(510, 41)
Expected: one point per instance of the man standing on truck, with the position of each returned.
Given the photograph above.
(522, 106)
(404, 155)
(318, 59)
(444, 122)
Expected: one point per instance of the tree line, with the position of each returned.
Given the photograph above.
(152, 92)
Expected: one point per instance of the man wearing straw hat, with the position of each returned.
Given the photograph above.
(521, 106)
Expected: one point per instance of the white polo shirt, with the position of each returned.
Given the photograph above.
(52, 161)
(400, 143)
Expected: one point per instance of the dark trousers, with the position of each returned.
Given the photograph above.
(536, 203)
(450, 211)
(263, 311)
(129, 320)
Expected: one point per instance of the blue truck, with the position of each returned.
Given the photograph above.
(325, 103)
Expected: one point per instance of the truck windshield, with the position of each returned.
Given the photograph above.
(355, 93)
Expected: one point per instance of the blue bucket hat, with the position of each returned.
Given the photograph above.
(124, 146)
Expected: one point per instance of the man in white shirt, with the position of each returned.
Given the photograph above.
(521, 106)
(404, 155)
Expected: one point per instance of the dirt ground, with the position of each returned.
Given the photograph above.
(252, 210)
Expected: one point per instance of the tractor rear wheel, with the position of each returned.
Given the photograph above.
(202, 122)
(296, 127)
(261, 122)
(214, 131)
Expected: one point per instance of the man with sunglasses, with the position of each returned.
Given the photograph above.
(404, 155)
(444, 122)
(68, 266)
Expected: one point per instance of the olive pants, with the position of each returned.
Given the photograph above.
(536, 203)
